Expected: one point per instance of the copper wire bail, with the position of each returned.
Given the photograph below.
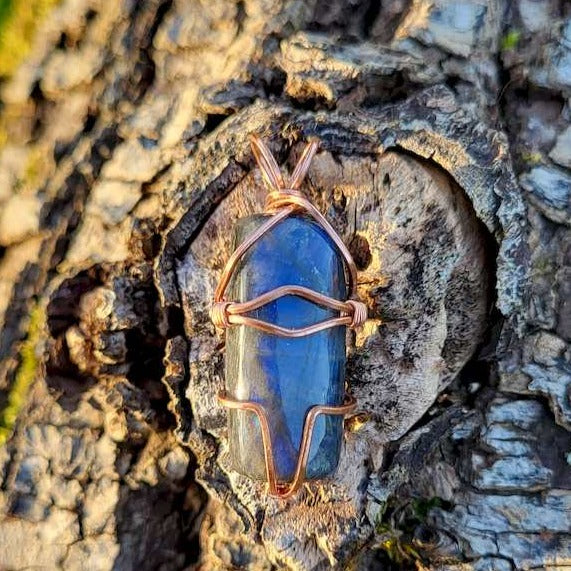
(282, 201)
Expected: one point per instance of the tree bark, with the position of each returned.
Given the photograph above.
(444, 164)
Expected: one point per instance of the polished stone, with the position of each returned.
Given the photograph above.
(287, 376)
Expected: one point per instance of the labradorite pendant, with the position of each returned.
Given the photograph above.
(286, 376)
(283, 297)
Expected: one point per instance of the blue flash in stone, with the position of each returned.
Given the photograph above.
(286, 376)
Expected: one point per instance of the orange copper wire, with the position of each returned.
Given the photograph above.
(283, 201)
(276, 488)
(232, 313)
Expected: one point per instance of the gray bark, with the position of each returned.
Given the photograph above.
(444, 164)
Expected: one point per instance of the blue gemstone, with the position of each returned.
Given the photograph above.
(287, 376)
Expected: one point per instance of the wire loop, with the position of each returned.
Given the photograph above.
(283, 201)
(219, 313)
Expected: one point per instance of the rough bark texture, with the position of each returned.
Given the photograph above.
(445, 165)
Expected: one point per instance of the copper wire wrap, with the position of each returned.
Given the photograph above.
(276, 488)
(283, 200)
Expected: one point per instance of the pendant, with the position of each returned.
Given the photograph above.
(286, 296)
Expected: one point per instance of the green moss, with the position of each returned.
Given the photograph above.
(5, 6)
(3, 133)
(532, 159)
(379, 520)
(24, 377)
(33, 168)
(421, 507)
(510, 40)
(543, 265)
(395, 528)
(19, 20)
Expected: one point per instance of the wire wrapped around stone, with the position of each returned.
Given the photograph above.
(283, 201)
(276, 488)
(224, 313)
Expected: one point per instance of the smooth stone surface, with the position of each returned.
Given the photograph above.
(287, 376)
